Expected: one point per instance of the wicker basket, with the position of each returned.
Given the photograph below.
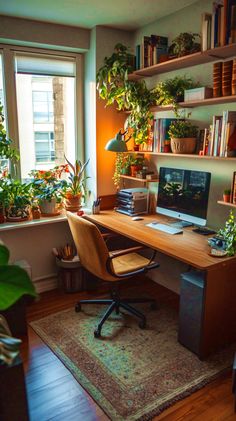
(185, 145)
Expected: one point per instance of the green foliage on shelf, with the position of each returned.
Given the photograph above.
(171, 91)
(182, 129)
(184, 44)
(228, 234)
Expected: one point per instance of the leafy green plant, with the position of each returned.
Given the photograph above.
(182, 129)
(185, 43)
(15, 282)
(47, 185)
(115, 88)
(119, 162)
(171, 91)
(17, 194)
(6, 149)
(228, 234)
(227, 192)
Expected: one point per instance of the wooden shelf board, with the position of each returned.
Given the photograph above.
(199, 103)
(232, 205)
(195, 156)
(208, 56)
(142, 180)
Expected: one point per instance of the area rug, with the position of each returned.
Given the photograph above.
(133, 374)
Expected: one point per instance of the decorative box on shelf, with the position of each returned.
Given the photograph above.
(197, 94)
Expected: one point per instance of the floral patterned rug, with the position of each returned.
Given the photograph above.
(133, 374)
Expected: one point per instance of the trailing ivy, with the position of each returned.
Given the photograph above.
(6, 149)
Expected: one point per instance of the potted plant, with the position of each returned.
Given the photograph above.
(171, 91)
(184, 44)
(226, 195)
(183, 137)
(136, 165)
(15, 285)
(48, 186)
(75, 189)
(127, 162)
(228, 234)
(17, 200)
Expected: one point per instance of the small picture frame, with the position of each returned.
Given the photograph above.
(233, 190)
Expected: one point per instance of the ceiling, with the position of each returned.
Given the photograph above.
(126, 14)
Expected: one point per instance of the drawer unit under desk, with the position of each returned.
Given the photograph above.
(191, 310)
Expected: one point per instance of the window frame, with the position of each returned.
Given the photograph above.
(8, 59)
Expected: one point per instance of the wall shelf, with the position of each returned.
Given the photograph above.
(172, 155)
(219, 53)
(232, 205)
(141, 180)
(192, 104)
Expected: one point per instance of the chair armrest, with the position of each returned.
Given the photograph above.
(117, 253)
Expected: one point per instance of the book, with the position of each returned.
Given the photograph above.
(206, 31)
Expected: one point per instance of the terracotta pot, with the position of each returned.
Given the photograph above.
(73, 203)
(134, 169)
(183, 145)
(36, 214)
(226, 198)
(17, 214)
(49, 208)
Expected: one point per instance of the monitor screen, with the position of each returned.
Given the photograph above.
(183, 194)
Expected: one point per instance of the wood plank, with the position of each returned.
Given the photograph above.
(141, 180)
(188, 247)
(193, 104)
(179, 155)
(231, 205)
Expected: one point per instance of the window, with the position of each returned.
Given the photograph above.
(45, 87)
(44, 147)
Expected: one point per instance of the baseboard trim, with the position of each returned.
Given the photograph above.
(45, 283)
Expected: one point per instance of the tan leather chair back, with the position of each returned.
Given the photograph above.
(91, 247)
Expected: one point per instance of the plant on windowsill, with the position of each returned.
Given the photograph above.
(228, 234)
(74, 189)
(183, 137)
(48, 187)
(17, 200)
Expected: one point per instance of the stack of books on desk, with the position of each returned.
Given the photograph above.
(132, 202)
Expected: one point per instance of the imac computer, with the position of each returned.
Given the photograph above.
(183, 194)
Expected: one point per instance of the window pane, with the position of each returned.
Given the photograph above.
(46, 119)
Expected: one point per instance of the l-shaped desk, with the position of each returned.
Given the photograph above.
(208, 309)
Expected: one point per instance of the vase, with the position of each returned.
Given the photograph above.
(49, 208)
(73, 202)
(185, 145)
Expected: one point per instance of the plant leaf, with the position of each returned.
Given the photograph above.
(14, 283)
(4, 255)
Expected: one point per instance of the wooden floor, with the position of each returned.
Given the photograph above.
(54, 394)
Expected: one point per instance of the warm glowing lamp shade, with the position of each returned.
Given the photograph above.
(117, 144)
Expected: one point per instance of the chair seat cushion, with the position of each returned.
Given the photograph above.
(129, 263)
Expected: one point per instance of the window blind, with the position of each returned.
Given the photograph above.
(44, 65)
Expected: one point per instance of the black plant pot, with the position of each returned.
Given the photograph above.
(16, 316)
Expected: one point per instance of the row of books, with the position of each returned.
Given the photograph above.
(150, 51)
(220, 138)
(158, 139)
(219, 27)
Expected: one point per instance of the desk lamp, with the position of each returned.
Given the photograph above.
(118, 144)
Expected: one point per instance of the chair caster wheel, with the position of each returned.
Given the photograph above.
(77, 307)
(97, 333)
(153, 306)
(142, 324)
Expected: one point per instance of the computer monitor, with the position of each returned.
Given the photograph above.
(183, 194)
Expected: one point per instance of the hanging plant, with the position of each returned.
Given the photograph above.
(115, 88)
(6, 150)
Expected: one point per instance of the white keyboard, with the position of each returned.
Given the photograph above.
(165, 228)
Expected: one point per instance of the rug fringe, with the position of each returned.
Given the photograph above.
(155, 412)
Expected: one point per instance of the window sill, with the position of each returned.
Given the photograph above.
(7, 226)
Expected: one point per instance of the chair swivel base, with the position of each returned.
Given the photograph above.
(114, 305)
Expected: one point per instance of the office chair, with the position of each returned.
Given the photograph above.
(109, 266)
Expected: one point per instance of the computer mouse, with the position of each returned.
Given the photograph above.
(137, 218)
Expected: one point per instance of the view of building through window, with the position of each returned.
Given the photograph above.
(46, 120)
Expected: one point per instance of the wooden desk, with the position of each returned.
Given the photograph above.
(218, 314)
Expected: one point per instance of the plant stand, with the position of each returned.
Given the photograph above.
(13, 398)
